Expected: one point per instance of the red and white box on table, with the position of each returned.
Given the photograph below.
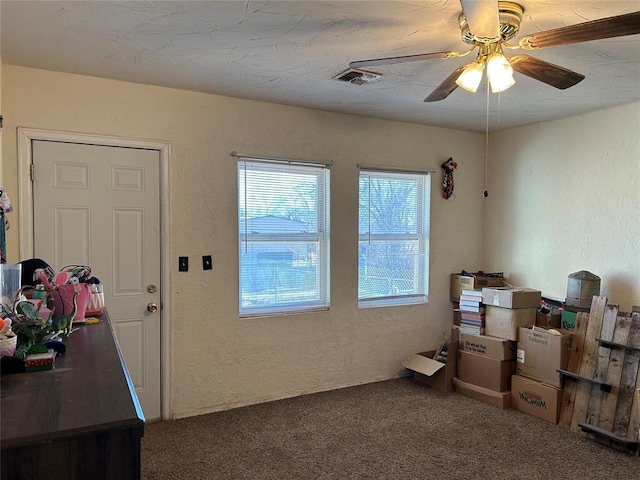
(39, 361)
(96, 301)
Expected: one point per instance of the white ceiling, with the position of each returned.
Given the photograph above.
(288, 51)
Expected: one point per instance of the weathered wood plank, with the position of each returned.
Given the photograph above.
(588, 364)
(614, 372)
(629, 379)
(602, 364)
(634, 423)
(575, 358)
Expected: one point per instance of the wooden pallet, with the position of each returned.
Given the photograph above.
(602, 378)
(614, 372)
(569, 393)
(629, 380)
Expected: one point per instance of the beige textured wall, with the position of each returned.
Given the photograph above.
(565, 197)
(218, 360)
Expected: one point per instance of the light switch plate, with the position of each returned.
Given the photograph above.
(183, 264)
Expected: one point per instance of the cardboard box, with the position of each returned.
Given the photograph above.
(548, 320)
(504, 322)
(497, 399)
(498, 348)
(485, 371)
(463, 282)
(541, 353)
(431, 372)
(511, 297)
(456, 313)
(536, 398)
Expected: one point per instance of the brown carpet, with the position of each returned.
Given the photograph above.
(397, 429)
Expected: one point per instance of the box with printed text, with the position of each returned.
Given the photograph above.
(536, 398)
(498, 348)
(541, 353)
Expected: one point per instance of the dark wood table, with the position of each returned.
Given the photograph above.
(81, 420)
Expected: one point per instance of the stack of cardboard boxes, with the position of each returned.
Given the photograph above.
(489, 361)
(513, 365)
(536, 388)
(484, 368)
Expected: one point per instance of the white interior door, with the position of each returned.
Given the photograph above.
(100, 206)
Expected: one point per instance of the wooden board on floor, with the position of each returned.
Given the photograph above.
(588, 364)
(602, 364)
(575, 357)
(614, 372)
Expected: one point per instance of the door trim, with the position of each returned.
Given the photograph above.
(25, 218)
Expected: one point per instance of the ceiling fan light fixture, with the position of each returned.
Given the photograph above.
(471, 77)
(499, 72)
(501, 85)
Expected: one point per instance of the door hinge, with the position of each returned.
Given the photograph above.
(31, 172)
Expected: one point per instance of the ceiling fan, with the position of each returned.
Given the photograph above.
(488, 25)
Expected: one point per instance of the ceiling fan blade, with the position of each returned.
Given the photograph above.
(545, 72)
(407, 58)
(447, 87)
(482, 17)
(617, 26)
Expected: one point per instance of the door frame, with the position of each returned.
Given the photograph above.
(25, 218)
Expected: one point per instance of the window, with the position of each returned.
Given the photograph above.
(393, 247)
(283, 224)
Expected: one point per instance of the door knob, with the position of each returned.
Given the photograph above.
(152, 307)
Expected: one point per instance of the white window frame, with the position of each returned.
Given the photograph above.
(320, 236)
(422, 220)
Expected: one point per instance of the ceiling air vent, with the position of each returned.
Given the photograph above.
(357, 77)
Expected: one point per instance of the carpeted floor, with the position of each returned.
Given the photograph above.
(397, 429)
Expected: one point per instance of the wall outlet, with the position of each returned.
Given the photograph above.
(183, 264)
(207, 263)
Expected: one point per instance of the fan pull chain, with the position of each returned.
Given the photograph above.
(485, 194)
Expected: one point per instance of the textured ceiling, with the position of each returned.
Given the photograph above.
(288, 51)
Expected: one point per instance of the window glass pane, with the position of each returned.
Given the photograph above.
(283, 234)
(388, 204)
(393, 238)
(276, 273)
(389, 268)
